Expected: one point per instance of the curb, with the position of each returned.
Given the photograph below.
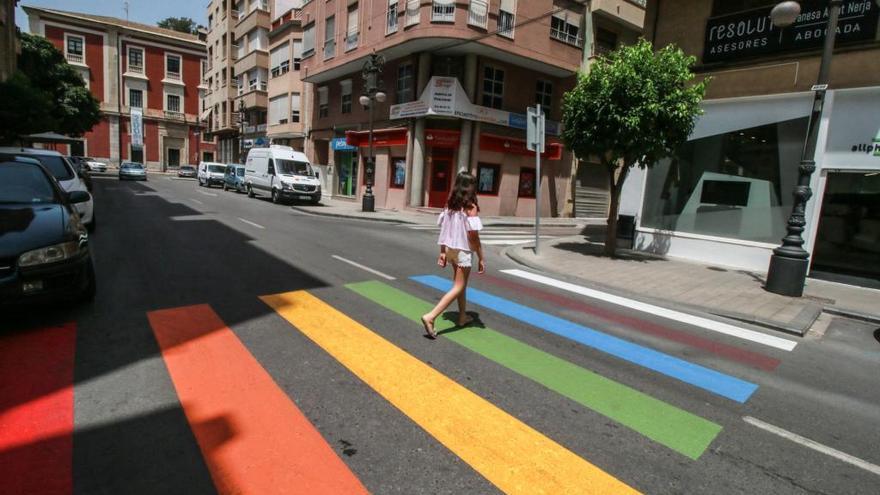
(806, 319)
(855, 315)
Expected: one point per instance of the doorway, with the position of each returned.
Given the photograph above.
(347, 166)
(78, 148)
(173, 157)
(847, 246)
(441, 177)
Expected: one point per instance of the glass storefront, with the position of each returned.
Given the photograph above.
(347, 167)
(736, 185)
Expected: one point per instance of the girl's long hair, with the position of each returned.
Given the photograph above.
(463, 195)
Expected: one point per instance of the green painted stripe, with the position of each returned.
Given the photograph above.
(681, 431)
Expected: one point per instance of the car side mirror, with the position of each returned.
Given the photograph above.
(78, 197)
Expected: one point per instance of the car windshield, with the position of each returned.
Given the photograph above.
(132, 165)
(186, 168)
(216, 168)
(240, 171)
(56, 166)
(24, 183)
(291, 167)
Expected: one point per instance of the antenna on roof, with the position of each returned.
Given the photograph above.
(125, 7)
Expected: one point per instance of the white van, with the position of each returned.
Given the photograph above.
(281, 173)
(211, 173)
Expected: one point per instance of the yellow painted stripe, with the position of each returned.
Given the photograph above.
(506, 451)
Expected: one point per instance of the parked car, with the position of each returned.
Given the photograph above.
(95, 165)
(282, 173)
(132, 171)
(234, 178)
(44, 249)
(79, 164)
(187, 171)
(65, 174)
(211, 173)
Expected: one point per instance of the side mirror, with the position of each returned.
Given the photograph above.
(78, 197)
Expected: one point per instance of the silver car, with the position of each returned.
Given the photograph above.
(133, 171)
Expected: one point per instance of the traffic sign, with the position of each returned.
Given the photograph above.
(535, 128)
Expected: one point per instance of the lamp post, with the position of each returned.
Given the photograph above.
(372, 94)
(788, 265)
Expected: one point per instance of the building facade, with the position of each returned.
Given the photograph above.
(219, 111)
(459, 76)
(287, 117)
(9, 44)
(148, 81)
(726, 196)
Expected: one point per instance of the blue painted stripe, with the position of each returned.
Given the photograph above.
(694, 374)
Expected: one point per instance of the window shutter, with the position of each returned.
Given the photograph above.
(294, 102)
(323, 94)
(297, 49)
(508, 6)
(308, 41)
(352, 21)
(330, 29)
(280, 55)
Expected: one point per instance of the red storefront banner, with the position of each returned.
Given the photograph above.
(441, 138)
(381, 137)
(503, 144)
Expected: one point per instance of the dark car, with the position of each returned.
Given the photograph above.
(44, 246)
(82, 170)
(187, 171)
(234, 178)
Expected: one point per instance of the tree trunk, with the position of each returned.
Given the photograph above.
(616, 187)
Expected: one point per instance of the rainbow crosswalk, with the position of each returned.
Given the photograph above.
(254, 438)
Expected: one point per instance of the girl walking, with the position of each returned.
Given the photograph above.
(459, 239)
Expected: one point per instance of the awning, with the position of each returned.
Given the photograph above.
(504, 144)
(206, 115)
(381, 137)
(51, 137)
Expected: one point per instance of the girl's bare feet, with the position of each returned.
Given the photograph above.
(429, 327)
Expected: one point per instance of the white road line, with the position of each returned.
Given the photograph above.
(206, 193)
(362, 267)
(505, 242)
(818, 447)
(252, 223)
(196, 201)
(706, 323)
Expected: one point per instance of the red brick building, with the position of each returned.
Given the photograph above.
(134, 68)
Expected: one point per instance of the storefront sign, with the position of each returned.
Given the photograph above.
(853, 140)
(381, 138)
(438, 138)
(137, 129)
(340, 144)
(751, 33)
(445, 97)
(502, 144)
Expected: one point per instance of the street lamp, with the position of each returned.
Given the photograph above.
(372, 94)
(788, 265)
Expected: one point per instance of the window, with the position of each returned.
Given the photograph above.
(478, 13)
(544, 94)
(493, 87)
(346, 95)
(443, 11)
(75, 49)
(351, 34)
(278, 108)
(258, 39)
(135, 98)
(294, 108)
(527, 183)
(488, 178)
(565, 27)
(391, 18)
(279, 60)
(308, 41)
(507, 18)
(404, 83)
(297, 54)
(398, 173)
(606, 41)
(172, 67)
(323, 106)
(172, 103)
(413, 12)
(136, 60)
(330, 37)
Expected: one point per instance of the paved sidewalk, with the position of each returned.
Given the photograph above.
(332, 207)
(716, 290)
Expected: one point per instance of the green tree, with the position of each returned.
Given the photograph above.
(180, 24)
(634, 107)
(46, 94)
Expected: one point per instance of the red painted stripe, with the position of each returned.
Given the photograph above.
(726, 351)
(254, 439)
(36, 411)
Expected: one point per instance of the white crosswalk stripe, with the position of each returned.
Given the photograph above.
(493, 236)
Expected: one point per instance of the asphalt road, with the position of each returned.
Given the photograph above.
(180, 379)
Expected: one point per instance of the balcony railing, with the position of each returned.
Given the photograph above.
(442, 12)
(571, 39)
(172, 76)
(135, 69)
(75, 58)
(351, 41)
(478, 13)
(171, 115)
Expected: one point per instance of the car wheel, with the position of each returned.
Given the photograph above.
(250, 191)
(275, 196)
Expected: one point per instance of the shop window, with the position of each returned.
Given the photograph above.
(493, 87)
(734, 185)
(488, 178)
(527, 182)
(544, 94)
(398, 173)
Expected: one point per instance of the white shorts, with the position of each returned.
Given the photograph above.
(459, 257)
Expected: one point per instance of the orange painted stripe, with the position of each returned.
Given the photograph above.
(255, 440)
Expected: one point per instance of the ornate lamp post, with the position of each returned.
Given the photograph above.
(372, 94)
(788, 265)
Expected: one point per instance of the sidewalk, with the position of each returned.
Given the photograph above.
(715, 290)
(331, 207)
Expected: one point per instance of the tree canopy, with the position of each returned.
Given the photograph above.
(45, 94)
(180, 24)
(635, 106)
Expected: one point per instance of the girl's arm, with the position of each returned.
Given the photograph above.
(474, 240)
(442, 259)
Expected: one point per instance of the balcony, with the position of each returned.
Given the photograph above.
(253, 60)
(253, 20)
(171, 115)
(478, 14)
(135, 69)
(255, 99)
(443, 11)
(630, 13)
